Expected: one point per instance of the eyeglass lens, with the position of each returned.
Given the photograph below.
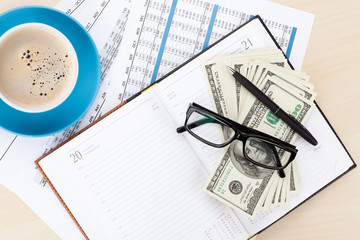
(209, 129)
(263, 152)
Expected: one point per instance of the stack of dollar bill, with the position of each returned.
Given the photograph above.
(256, 189)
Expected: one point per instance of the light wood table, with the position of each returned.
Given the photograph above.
(333, 62)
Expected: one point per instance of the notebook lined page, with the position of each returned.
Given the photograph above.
(139, 178)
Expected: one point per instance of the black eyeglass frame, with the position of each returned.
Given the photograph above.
(242, 133)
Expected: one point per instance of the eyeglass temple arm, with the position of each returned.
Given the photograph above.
(278, 163)
(196, 124)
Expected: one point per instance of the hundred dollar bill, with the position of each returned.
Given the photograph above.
(256, 115)
(298, 82)
(252, 71)
(240, 62)
(221, 90)
(237, 182)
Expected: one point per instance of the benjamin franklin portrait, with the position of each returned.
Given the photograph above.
(257, 150)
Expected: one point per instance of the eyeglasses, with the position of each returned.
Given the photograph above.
(257, 147)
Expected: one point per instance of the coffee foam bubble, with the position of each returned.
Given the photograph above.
(35, 68)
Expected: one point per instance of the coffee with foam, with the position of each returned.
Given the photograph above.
(37, 68)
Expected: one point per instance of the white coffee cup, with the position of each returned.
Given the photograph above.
(38, 67)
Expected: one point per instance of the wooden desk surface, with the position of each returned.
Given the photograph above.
(333, 62)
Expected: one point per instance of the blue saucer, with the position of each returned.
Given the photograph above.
(84, 93)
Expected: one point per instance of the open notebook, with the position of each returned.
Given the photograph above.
(130, 175)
